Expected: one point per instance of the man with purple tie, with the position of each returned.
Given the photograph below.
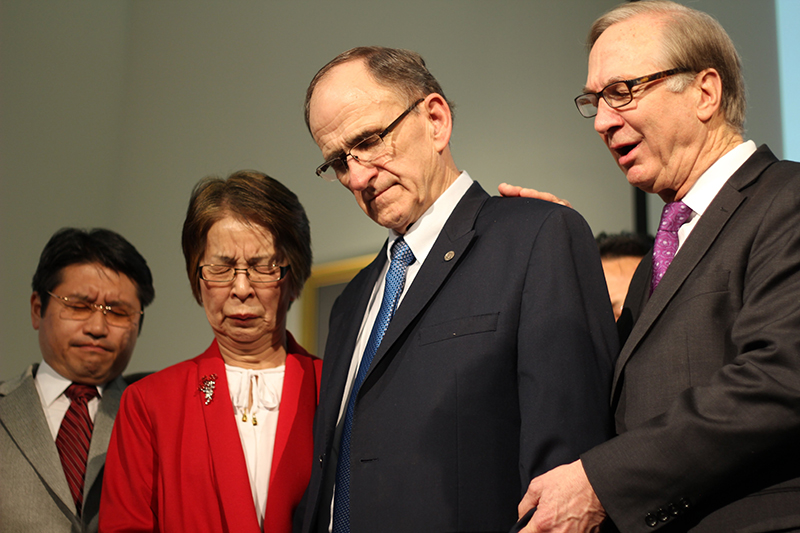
(707, 386)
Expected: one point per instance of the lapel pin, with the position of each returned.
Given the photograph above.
(207, 385)
(449, 255)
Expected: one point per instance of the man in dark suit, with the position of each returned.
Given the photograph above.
(56, 419)
(707, 386)
(497, 361)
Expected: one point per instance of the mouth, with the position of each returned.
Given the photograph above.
(623, 152)
(89, 347)
(243, 317)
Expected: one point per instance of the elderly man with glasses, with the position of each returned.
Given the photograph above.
(89, 294)
(475, 351)
(707, 386)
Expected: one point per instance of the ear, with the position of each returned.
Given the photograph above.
(440, 118)
(36, 310)
(709, 84)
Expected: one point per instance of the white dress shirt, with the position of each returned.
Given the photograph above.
(51, 386)
(709, 184)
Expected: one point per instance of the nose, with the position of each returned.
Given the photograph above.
(606, 118)
(241, 288)
(96, 325)
(359, 174)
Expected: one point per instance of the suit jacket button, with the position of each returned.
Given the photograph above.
(663, 515)
(321, 459)
(673, 509)
(650, 520)
(684, 503)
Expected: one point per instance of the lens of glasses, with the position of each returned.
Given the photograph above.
(617, 95)
(587, 104)
(368, 149)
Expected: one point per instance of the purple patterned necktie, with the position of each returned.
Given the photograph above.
(74, 437)
(674, 215)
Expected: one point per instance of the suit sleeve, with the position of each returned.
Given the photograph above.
(131, 468)
(737, 433)
(567, 346)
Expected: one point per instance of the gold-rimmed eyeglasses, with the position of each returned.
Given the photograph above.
(366, 150)
(119, 315)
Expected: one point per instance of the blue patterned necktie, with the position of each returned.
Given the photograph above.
(402, 257)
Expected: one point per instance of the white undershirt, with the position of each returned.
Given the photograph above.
(709, 184)
(51, 386)
(257, 421)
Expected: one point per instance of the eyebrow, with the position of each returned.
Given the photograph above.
(615, 79)
(259, 259)
(84, 298)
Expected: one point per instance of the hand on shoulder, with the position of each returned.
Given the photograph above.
(516, 191)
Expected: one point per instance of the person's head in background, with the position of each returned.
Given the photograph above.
(620, 254)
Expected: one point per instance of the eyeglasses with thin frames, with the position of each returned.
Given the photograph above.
(619, 93)
(118, 315)
(256, 273)
(364, 151)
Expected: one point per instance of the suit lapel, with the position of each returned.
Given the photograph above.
(21, 414)
(446, 253)
(342, 337)
(101, 434)
(692, 252)
(227, 457)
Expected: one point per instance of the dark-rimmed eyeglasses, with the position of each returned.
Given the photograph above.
(619, 94)
(256, 273)
(365, 150)
(119, 315)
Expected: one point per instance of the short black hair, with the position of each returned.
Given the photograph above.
(73, 246)
(623, 245)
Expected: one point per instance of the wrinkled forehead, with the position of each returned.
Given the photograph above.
(346, 100)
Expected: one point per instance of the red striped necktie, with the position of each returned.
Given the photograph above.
(74, 437)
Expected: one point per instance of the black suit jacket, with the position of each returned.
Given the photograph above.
(495, 368)
(707, 387)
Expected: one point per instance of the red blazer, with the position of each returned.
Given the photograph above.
(176, 464)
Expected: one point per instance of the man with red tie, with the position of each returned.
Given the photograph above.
(89, 293)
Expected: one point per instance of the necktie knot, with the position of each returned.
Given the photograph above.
(674, 215)
(402, 252)
(78, 392)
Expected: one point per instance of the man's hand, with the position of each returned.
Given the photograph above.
(515, 190)
(565, 501)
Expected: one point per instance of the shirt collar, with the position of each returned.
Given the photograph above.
(711, 181)
(52, 384)
(422, 234)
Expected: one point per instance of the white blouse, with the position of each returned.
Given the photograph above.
(256, 397)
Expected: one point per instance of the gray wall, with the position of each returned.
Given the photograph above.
(111, 110)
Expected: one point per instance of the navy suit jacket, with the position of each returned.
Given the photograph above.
(495, 368)
(707, 387)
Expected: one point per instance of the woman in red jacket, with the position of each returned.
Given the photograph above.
(223, 442)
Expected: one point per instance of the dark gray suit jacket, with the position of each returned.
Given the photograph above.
(496, 367)
(707, 387)
(34, 494)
